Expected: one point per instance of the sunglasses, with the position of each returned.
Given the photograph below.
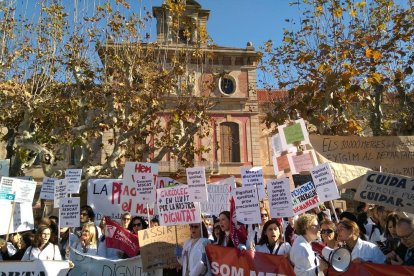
(263, 215)
(136, 224)
(327, 231)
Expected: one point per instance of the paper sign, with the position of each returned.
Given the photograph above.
(303, 162)
(23, 190)
(290, 135)
(132, 169)
(73, 177)
(6, 189)
(37, 267)
(389, 190)
(110, 197)
(196, 180)
(146, 190)
(280, 198)
(158, 245)
(304, 198)
(280, 164)
(165, 182)
(247, 205)
(48, 189)
(218, 197)
(60, 191)
(4, 167)
(276, 144)
(175, 207)
(253, 177)
(69, 212)
(22, 217)
(324, 182)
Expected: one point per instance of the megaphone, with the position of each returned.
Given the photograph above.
(339, 258)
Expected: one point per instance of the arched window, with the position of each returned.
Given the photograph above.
(229, 142)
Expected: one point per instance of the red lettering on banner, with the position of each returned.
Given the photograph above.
(140, 168)
(116, 189)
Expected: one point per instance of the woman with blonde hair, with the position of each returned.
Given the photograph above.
(88, 241)
(361, 251)
(301, 255)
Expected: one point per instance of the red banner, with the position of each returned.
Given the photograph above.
(369, 269)
(229, 261)
(120, 238)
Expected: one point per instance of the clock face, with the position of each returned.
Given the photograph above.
(227, 85)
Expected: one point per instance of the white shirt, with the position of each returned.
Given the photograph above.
(50, 252)
(191, 258)
(284, 248)
(368, 252)
(303, 258)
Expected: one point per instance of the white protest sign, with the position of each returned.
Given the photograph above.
(218, 197)
(304, 198)
(247, 205)
(253, 177)
(37, 267)
(293, 134)
(48, 189)
(23, 190)
(6, 189)
(276, 144)
(73, 177)
(132, 169)
(280, 198)
(4, 167)
(389, 190)
(196, 180)
(164, 182)
(69, 212)
(325, 183)
(146, 189)
(22, 217)
(110, 197)
(303, 161)
(60, 191)
(175, 207)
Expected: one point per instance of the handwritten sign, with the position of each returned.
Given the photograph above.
(389, 190)
(22, 219)
(294, 134)
(304, 198)
(73, 178)
(280, 198)
(132, 171)
(48, 189)
(253, 177)
(247, 205)
(175, 207)
(325, 182)
(146, 189)
(158, 245)
(303, 162)
(394, 154)
(196, 180)
(218, 197)
(60, 191)
(69, 212)
(111, 197)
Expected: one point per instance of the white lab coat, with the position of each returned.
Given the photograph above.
(284, 249)
(368, 252)
(50, 252)
(191, 258)
(303, 258)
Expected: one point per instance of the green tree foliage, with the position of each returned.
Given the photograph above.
(348, 67)
(77, 79)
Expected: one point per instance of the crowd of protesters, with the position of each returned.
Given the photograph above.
(372, 234)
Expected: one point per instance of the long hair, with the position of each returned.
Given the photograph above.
(37, 241)
(223, 234)
(143, 223)
(263, 238)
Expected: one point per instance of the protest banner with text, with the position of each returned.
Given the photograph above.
(73, 178)
(60, 191)
(304, 198)
(253, 177)
(196, 181)
(325, 183)
(22, 219)
(133, 169)
(69, 212)
(218, 197)
(47, 191)
(158, 244)
(280, 198)
(175, 207)
(111, 197)
(37, 268)
(146, 189)
(22, 190)
(120, 238)
(393, 154)
(389, 190)
(247, 205)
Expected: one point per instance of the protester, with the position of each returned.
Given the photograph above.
(87, 216)
(216, 232)
(290, 231)
(373, 231)
(328, 235)
(404, 253)
(361, 251)
(88, 241)
(42, 248)
(154, 222)
(103, 251)
(255, 231)
(137, 223)
(126, 220)
(64, 242)
(20, 243)
(193, 256)
(7, 247)
(305, 261)
(348, 216)
(224, 238)
(389, 240)
(271, 241)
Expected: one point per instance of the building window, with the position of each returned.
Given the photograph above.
(227, 85)
(229, 142)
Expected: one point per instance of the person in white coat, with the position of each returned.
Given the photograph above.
(42, 248)
(304, 259)
(271, 241)
(193, 256)
(361, 251)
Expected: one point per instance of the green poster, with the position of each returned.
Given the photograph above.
(293, 134)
